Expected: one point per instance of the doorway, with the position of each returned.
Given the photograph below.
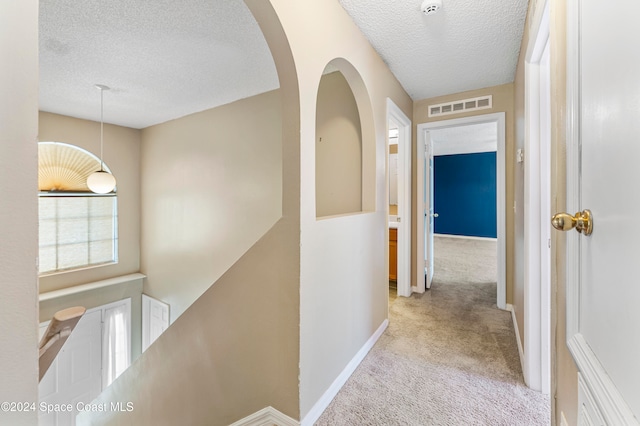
(537, 208)
(399, 195)
(424, 206)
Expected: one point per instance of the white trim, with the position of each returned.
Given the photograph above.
(588, 411)
(465, 237)
(499, 119)
(537, 275)
(573, 162)
(318, 408)
(268, 416)
(540, 26)
(610, 402)
(90, 286)
(396, 115)
(510, 308)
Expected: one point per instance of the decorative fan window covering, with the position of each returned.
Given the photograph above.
(78, 228)
(65, 168)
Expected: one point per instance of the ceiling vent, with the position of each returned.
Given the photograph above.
(464, 105)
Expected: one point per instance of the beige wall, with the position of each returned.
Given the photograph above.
(122, 155)
(232, 353)
(343, 278)
(212, 186)
(502, 102)
(19, 208)
(338, 148)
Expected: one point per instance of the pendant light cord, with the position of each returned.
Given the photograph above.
(101, 128)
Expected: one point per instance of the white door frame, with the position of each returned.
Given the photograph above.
(403, 122)
(499, 119)
(537, 166)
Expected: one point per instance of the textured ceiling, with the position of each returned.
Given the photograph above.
(163, 59)
(467, 44)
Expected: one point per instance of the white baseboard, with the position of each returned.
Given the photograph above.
(466, 237)
(509, 307)
(318, 408)
(414, 289)
(268, 416)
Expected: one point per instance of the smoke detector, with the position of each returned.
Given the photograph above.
(429, 7)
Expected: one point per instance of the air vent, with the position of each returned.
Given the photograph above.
(465, 105)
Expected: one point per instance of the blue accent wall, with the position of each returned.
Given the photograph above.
(465, 194)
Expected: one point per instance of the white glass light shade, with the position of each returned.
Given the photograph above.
(101, 182)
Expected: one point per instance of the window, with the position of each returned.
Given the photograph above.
(77, 227)
(116, 338)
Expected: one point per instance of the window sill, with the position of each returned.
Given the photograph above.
(90, 286)
(81, 268)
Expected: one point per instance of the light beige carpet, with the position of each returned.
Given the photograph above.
(449, 356)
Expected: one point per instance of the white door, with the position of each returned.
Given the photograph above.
(398, 120)
(155, 320)
(604, 142)
(76, 374)
(430, 214)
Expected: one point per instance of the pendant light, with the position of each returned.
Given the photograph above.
(101, 182)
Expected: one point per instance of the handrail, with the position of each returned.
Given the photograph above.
(58, 331)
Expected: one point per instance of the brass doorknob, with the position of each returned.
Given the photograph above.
(582, 221)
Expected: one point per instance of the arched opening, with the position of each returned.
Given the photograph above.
(223, 358)
(345, 145)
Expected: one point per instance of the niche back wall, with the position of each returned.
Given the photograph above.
(465, 194)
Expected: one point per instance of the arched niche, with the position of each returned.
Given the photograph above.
(345, 143)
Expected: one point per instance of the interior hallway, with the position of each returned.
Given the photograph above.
(448, 357)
